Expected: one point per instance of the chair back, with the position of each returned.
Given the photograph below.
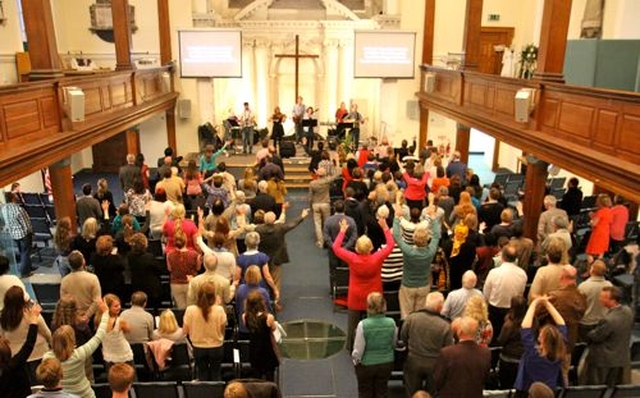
(157, 389)
(203, 389)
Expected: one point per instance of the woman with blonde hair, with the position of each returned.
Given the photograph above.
(249, 183)
(103, 193)
(364, 272)
(62, 240)
(72, 359)
(115, 347)
(477, 309)
(178, 224)
(85, 242)
(168, 328)
(204, 323)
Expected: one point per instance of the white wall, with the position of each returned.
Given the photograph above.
(10, 43)
(153, 138)
(620, 20)
(481, 142)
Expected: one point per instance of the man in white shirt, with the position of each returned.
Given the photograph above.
(502, 284)
(456, 300)
(139, 320)
(297, 116)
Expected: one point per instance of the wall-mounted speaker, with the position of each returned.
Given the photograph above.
(184, 108)
(413, 110)
(429, 83)
(75, 104)
(524, 102)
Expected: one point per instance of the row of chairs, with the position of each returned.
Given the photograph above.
(187, 389)
(620, 391)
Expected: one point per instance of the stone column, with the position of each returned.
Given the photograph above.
(62, 189)
(346, 71)
(331, 100)
(262, 106)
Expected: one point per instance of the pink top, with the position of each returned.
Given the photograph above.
(189, 229)
(364, 270)
(619, 220)
(415, 188)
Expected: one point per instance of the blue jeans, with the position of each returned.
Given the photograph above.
(247, 139)
(355, 137)
(24, 247)
(208, 361)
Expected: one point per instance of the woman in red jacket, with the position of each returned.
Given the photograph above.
(364, 273)
(415, 193)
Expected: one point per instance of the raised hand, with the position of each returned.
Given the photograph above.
(305, 213)
(344, 225)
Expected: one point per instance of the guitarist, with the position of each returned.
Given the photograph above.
(297, 115)
(357, 119)
(247, 123)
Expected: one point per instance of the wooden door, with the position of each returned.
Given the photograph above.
(490, 60)
(110, 154)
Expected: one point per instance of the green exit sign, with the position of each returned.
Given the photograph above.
(494, 17)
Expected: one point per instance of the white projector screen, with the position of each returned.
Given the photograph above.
(210, 53)
(380, 54)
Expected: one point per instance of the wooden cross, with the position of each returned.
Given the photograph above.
(297, 57)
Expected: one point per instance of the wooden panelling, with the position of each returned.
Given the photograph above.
(575, 121)
(33, 123)
(591, 132)
(605, 129)
(448, 87)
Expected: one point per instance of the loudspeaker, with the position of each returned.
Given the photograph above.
(184, 108)
(413, 110)
(524, 104)
(75, 103)
(429, 82)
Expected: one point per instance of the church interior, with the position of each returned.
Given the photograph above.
(531, 93)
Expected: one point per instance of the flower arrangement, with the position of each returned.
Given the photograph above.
(528, 61)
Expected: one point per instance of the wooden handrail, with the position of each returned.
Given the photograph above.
(592, 132)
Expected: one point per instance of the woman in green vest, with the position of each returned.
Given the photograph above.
(375, 341)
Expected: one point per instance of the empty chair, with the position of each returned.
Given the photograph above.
(203, 389)
(584, 392)
(157, 389)
(576, 355)
(51, 213)
(628, 390)
(497, 393)
(144, 372)
(47, 294)
(35, 211)
(340, 282)
(501, 179)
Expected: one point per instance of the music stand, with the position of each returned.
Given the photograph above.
(310, 123)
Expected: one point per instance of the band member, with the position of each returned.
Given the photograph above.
(278, 131)
(357, 119)
(309, 134)
(247, 123)
(298, 115)
(341, 113)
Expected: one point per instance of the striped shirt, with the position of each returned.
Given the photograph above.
(392, 266)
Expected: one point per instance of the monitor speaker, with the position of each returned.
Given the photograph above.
(524, 101)
(413, 110)
(75, 104)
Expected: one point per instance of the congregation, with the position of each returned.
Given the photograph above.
(422, 225)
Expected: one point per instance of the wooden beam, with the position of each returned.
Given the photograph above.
(427, 58)
(535, 184)
(553, 40)
(471, 37)
(41, 36)
(62, 189)
(122, 34)
(164, 26)
(170, 114)
(463, 137)
(133, 140)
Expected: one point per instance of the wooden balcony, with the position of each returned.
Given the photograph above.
(35, 129)
(591, 132)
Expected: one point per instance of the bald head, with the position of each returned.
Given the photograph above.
(210, 262)
(469, 280)
(434, 302)
(467, 328)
